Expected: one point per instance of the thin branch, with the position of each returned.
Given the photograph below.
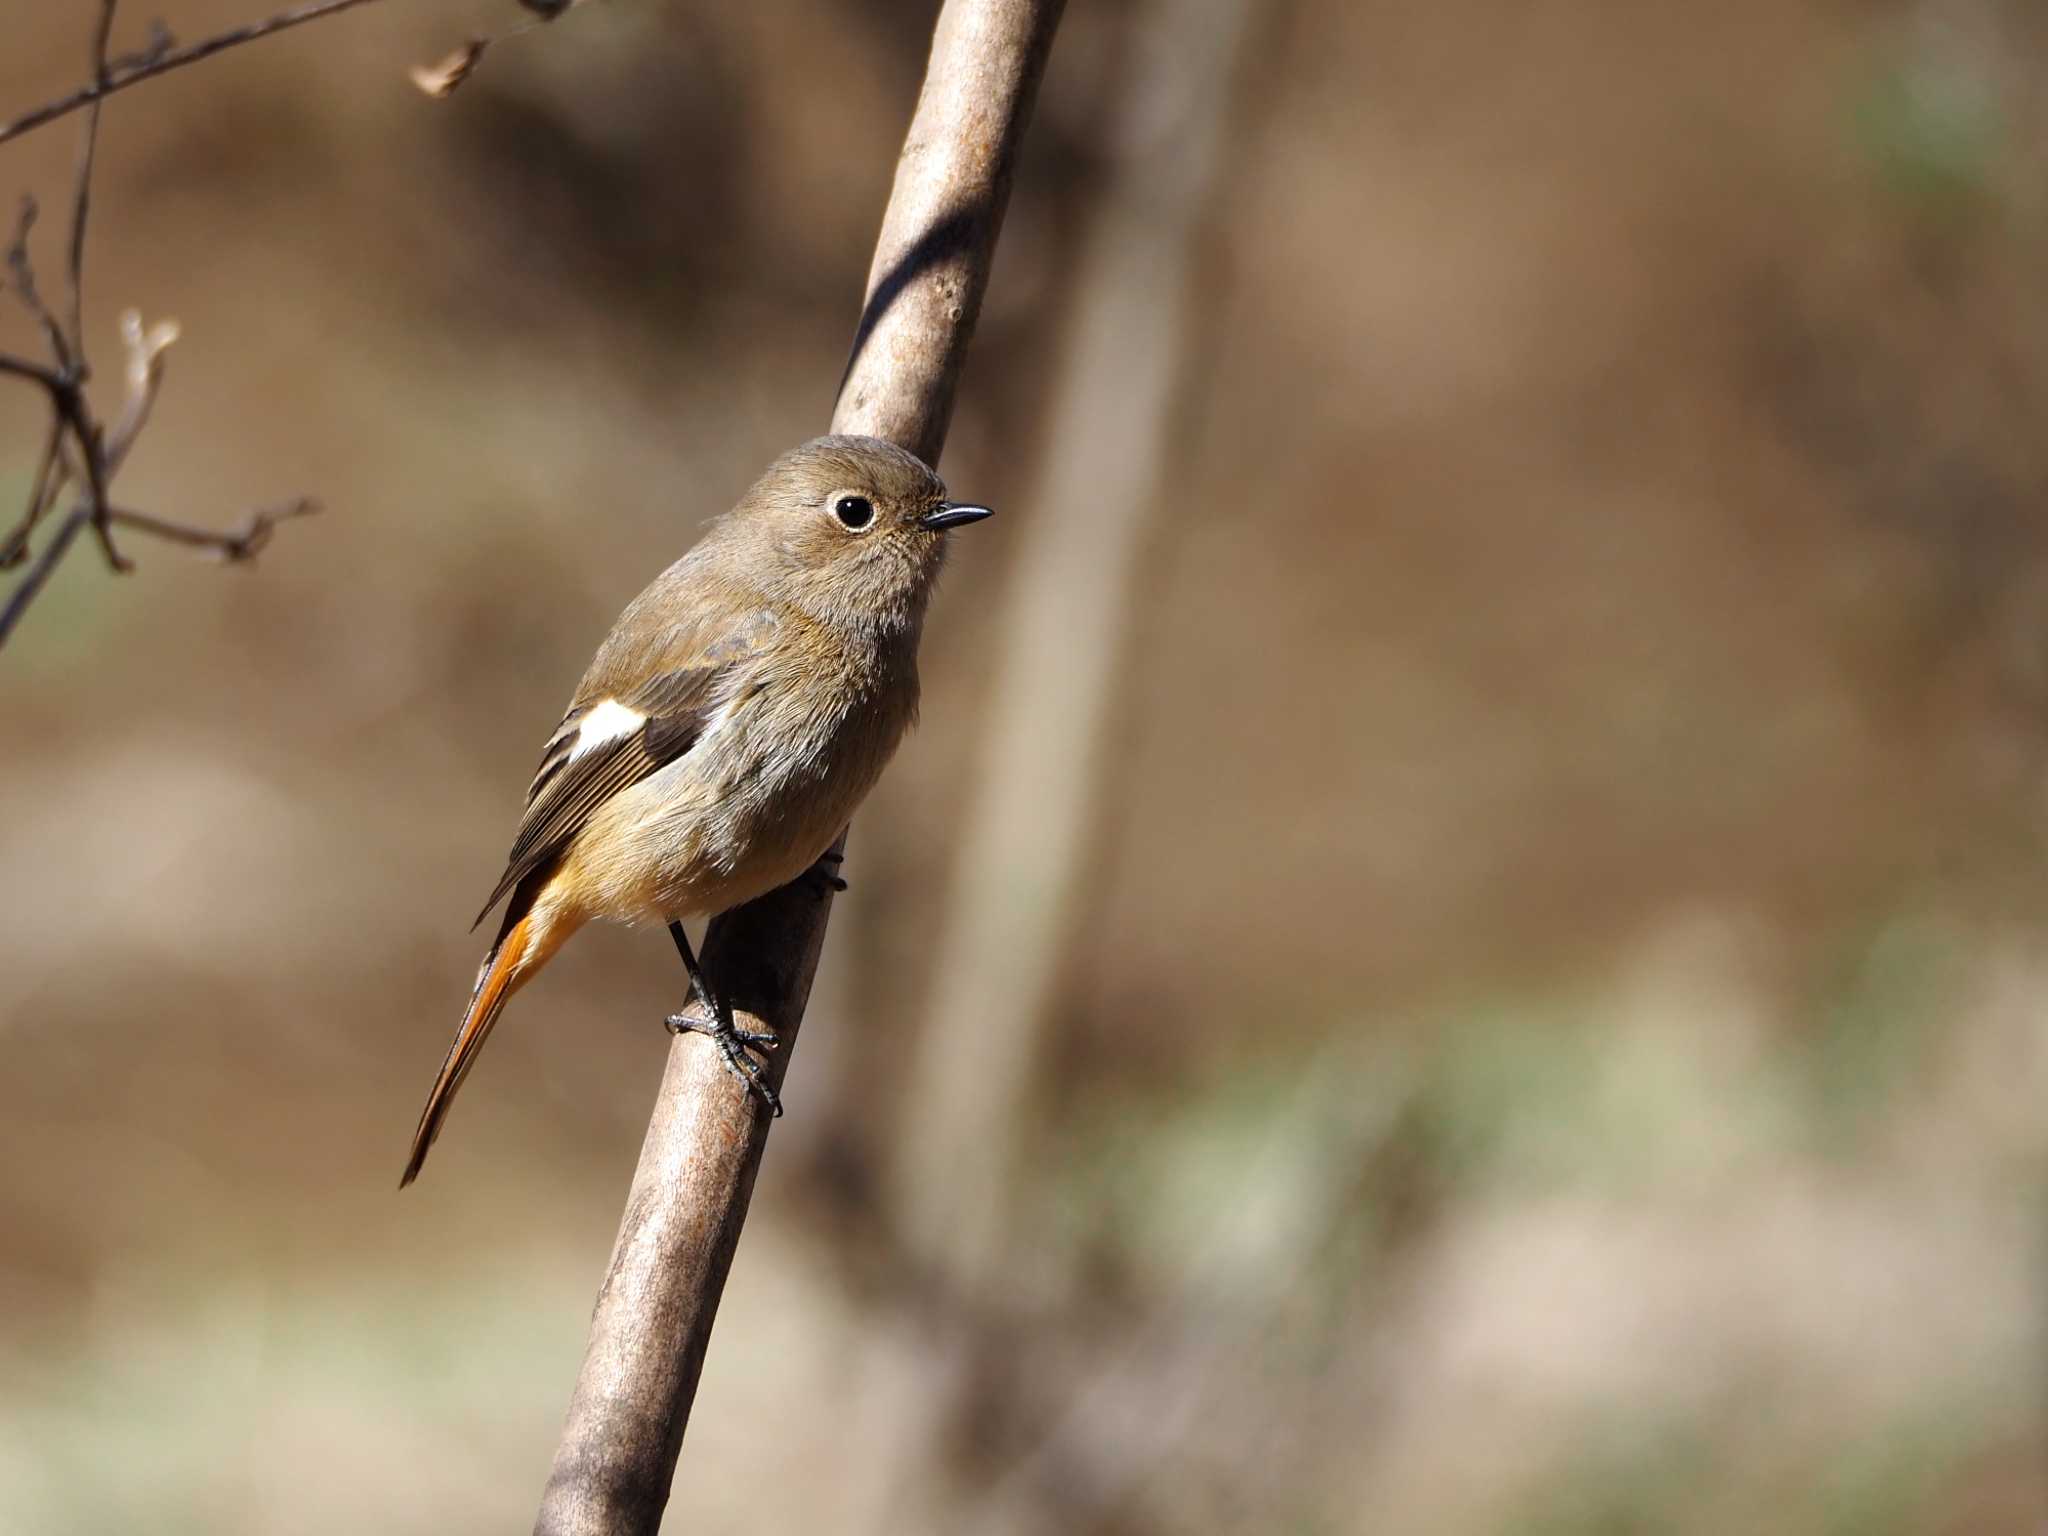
(88, 147)
(36, 373)
(232, 544)
(688, 1202)
(94, 454)
(127, 72)
(26, 589)
(70, 414)
(23, 282)
(42, 493)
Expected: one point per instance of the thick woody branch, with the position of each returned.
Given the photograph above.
(689, 1196)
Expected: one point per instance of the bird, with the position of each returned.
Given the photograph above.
(740, 709)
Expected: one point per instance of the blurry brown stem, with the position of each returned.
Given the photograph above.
(125, 73)
(1030, 829)
(1074, 586)
(688, 1200)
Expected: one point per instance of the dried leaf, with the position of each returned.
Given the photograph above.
(440, 80)
(145, 349)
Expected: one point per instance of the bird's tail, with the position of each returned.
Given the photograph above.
(529, 937)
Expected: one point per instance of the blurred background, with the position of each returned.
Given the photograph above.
(1458, 949)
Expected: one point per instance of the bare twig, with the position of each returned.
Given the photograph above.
(22, 279)
(88, 148)
(42, 492)
(26, 589)
(125, 72)
(79, 449)
(690, 1192)
(243, 542)
(92, 459)
(234, 545)
(87, 430)
(35, 373)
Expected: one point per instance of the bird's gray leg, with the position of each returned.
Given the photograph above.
(731, 1040)
(824, 875)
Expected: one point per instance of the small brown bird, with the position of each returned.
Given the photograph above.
(740, 709)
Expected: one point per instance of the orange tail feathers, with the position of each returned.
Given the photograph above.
(526, 943)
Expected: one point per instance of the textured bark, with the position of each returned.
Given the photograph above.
(689, 1195)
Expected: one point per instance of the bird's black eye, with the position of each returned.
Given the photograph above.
(854, 511)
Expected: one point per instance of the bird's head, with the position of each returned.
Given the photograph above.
(852, 530)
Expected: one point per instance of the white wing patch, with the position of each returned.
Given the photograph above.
(607, 719)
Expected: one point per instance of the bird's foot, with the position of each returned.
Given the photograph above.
(733, 1044)
(824, 875)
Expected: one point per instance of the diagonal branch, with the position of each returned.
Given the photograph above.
(26, 589)
(42, 493)
(159, 61)
(689, 1196)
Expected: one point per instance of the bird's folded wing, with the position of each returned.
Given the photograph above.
(609, 743)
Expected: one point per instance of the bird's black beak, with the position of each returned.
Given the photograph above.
(954, 514)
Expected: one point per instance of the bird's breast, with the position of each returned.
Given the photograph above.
(784, 761)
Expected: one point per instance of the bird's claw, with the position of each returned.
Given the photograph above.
(733, 1044)
(824, 875)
